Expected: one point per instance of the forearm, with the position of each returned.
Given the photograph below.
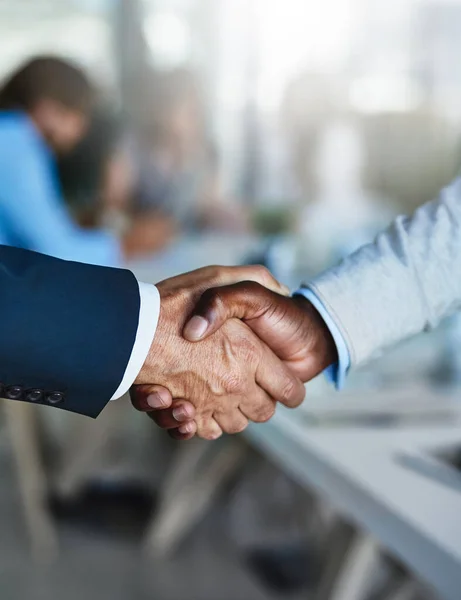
(403, 283)
(70, 328)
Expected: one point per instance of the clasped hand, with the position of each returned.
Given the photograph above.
(225, 353)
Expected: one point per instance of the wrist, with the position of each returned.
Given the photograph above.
(319, 339)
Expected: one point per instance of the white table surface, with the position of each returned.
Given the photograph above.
(385, 481)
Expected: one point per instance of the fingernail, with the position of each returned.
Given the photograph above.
(184, 429)
(286, 290)
(155, 400)
(179, 414)
(195, 328)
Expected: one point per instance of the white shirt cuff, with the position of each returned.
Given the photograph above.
(149, 312)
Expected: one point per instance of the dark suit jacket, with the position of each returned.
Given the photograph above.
(66, 330)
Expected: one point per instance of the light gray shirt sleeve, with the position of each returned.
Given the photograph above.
(404, 282)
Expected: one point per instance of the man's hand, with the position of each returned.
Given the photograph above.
(176, 416)
(291, 327)
(231, 377)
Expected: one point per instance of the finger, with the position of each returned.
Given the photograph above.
(183, 433)
(258, 406)
(243, 300)
(150, 397)
(278, 381)
(181, 412)
(235, 422)
(214, 276)
(256, 273)
(208, 428)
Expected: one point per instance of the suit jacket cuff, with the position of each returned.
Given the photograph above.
(148, 318)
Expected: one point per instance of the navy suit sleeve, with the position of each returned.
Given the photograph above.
(66, 330)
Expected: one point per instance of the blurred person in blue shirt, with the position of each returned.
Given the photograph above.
(45, 109)
(98, 185)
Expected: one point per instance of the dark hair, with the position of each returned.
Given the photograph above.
(81, 170)
(47, 77)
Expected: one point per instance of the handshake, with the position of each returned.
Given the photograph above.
(229, 345)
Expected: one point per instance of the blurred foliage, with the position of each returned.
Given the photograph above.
(273, 220)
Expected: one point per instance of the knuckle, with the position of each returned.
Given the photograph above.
(211, 435)
(205, 271)
(214, 273)
(263, 275)
(262, 272)
(249, 350)
(250, 286)
(233, 383)
(242, 426)
(236, 427)
(289, 392)
(265, 413)
(212, 298)
(208, 428)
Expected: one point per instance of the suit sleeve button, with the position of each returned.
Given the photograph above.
(14, 392)
(55, 397)
(34, 395)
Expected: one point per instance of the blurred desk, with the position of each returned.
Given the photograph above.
(380, 475)
(387, 481)
(411, 404)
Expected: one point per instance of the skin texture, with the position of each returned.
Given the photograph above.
(290, 326)
(231, 377)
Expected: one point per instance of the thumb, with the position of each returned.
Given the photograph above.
(244, 300)
(150, 397)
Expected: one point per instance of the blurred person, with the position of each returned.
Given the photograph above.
(177, 163)
(98, 180)
(76, 335)
(45, 107)
(403, 283)
(82, 171)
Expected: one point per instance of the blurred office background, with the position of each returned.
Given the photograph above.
(279, 131)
